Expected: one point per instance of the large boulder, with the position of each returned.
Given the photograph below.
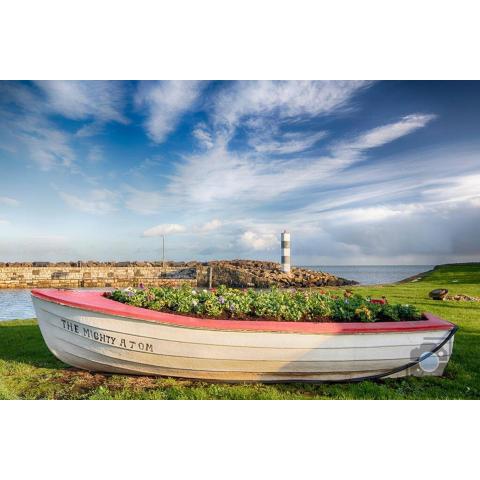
(438, 294)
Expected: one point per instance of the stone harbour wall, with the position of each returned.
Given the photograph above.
(93, 276)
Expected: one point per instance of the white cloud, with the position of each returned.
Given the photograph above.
(454, 189)
(145, 202)
(164, 229)
(285, 99)
(95, 154)
(288, 143)
(84, 100)
(8, 148)
(259, 241)
(202, 134)
(386, 133)
(166, 102)
(9, 202)
(48, 146)
(214, 224)
(219, 175)
(36, 247)
(89, 129)
(99, 201)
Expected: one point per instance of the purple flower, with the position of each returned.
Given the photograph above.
(232, 307)
(221, 299)
(142, 287)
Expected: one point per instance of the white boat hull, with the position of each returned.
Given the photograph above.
(98, 341)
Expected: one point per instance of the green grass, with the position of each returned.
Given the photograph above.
(29, 371)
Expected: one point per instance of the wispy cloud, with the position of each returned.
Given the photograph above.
(100, 101)
(203, 136)
(98, 201)
(354, 179)
(385, 133)
(169, 228)
(285, 99)
(48, 146)
(165, 103)
(259, 240)
(95, 154)
(145, 202)
(209, 226)
(220, 174)
(288, 143)
(9, 202)
(164, 229)
(30, 122)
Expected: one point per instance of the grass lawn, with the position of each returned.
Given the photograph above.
(29, 371)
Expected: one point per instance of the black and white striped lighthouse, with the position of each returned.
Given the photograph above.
(285, 252)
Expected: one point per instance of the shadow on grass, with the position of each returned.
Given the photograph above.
(23, 342)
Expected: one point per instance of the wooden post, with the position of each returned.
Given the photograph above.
(163, 253)
(210, 277)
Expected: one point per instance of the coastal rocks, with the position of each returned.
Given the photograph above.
(438, 294)
(442, 294)
(258, 274)
(460, 297)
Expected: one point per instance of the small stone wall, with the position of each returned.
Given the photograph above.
(93, 276)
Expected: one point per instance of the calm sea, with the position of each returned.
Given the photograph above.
(372, 274)
(17, 303)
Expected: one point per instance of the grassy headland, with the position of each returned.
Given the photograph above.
(29, 371)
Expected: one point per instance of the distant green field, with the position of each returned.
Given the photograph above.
(29, 371)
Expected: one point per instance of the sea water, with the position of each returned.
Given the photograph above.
(373, 274)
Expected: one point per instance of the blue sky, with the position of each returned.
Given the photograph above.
(359, 172)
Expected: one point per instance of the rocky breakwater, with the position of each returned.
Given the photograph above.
(259, 274)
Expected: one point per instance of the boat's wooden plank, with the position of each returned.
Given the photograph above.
(100, 363)
(155, 346)
(264, 340)
(67, 342)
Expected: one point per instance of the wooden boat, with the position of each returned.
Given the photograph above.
(86, 330)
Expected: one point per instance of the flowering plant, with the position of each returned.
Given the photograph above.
(274, 304)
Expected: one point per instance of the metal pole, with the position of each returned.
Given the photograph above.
(163, 253)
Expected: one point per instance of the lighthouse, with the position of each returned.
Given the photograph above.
(285, 252)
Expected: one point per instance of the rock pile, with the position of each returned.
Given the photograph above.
(258, 274)
(462, 298)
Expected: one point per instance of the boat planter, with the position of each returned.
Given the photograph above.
(86, 330)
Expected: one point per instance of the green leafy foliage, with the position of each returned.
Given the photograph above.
(274, 304)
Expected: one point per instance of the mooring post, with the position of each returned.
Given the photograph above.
(210, 277)
(163, 254)
(285, 252)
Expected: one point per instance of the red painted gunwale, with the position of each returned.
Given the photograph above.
(94, 301)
